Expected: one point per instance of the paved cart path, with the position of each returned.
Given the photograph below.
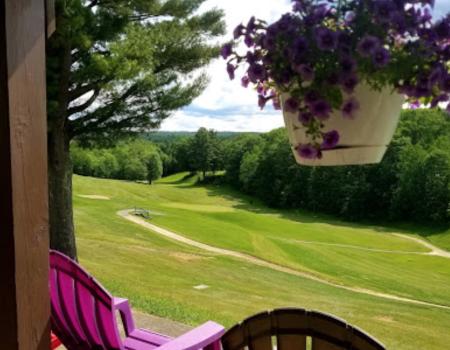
(433, 250)
(126, 214)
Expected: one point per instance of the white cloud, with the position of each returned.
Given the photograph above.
(257, 121)
(441, 8)
(223, 93)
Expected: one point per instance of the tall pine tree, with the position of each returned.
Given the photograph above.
(116, 67)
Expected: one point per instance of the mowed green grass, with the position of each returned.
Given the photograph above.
(338, 252)
(158, 275)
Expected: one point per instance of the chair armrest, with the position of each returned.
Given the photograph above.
(198, 338)
(123, 306)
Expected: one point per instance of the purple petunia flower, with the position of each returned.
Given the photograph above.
(267, 60)
(347, 64)
(445, 83)
(305, 71)
(383, 9)
(398, 21)
(238, 31)
(381, 57)
(251, 25)
(326, 39)
(285, 77)
(436, 75)
(426, 17)
(368, 45)
(414, 105)
(256, 72)
(422, 87)
(248, 40)
(262, 101)
(330, 139)
(245, 81)
(438, 99)
(349, 82)
(298, 6)
(276, 103)
(226, 50)
(260, 88)
(406, 89)
(230, 70)
(320, 12)
(307, 151)
(299, 47)
(442, 28)
(305, 117)
(291, 105)
(311, 96)
(251, 57)
(333, 79)
(349, 107)
(269, 43)
(344, 42)
(321, 109)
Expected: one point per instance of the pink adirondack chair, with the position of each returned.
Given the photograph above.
(83, 316)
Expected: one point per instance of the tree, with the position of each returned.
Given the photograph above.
(116, 67)
(249, 166)
(435, 204)
(204, 149)
(411, 183)
(234, 150)
(154, 167)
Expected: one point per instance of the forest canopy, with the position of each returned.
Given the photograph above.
(412, 183)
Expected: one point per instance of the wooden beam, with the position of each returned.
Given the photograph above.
(24, 296)
(50, 17)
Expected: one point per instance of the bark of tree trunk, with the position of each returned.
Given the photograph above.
(62, 235)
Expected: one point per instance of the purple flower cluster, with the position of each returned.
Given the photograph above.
(319, 53)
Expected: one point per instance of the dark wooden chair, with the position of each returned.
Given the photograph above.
(297, 329)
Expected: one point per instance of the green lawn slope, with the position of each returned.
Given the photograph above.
(159, 275)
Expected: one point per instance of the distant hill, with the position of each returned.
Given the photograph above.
(164, 136)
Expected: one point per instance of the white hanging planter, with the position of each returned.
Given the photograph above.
(363, 139)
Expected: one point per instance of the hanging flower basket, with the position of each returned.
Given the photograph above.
(342, 70)
(363, 138)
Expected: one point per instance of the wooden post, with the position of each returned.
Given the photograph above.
(24, 296)
(50, 17)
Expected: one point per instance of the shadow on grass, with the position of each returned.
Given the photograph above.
(185, 181)
(254, 205)
(216, 188)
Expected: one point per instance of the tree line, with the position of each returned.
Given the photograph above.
(412, 183)
(136, 160)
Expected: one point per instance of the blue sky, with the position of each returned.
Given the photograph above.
(225, 105)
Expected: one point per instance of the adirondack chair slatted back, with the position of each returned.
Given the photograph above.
(82, 311)
(296, 329)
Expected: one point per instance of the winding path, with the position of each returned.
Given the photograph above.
(260, 262)
(434, 251)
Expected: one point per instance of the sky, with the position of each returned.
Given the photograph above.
(225, 105)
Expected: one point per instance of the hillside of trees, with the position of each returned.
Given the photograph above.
(127, 160)
(171, 136)
(412, 183)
